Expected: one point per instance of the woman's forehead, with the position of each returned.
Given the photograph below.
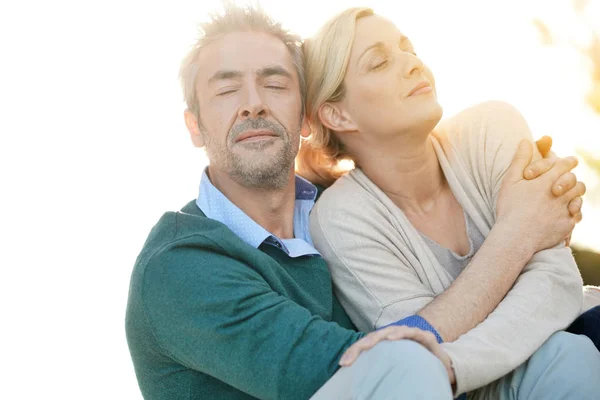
(372, 30)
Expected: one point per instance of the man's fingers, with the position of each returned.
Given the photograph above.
(544, 145)
(353, 351)
(364, 344)
(539, 167)
(520, 160)
(389, 333)
(575, 206)
(563, 184)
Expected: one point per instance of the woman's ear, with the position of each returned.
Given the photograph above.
(191, 121)
(335, 118)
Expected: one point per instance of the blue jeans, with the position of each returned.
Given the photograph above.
(565, 367)
(390, 370)
(588, 324)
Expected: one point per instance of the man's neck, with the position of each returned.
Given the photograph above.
(407, 172)
(273, 209)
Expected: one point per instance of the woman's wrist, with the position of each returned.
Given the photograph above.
(519, 245)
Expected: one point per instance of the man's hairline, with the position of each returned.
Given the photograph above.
(219, 37)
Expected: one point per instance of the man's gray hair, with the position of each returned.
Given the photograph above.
(237, 19)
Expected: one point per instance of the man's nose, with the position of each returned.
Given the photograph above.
(253, 105)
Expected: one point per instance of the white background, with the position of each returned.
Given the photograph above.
(93, 150)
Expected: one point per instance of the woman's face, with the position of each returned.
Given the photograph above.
(388, 88)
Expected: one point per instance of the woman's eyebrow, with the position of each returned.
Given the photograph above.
(374, 45)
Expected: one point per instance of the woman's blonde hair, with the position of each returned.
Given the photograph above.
(326, 57)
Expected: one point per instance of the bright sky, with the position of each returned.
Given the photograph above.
(93, 149)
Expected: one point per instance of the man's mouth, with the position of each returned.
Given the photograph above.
(253, 135)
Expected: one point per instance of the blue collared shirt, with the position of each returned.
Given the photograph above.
(216, 206)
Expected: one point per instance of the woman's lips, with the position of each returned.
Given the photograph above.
(423, 87)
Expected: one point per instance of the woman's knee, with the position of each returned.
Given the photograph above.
(567, 343)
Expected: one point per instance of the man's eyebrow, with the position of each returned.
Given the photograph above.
(273, 70)
(225, 74)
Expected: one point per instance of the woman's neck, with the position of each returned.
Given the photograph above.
(407, 171)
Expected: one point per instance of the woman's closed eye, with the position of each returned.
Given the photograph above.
(378, 63)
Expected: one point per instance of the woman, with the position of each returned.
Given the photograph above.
(419, 216)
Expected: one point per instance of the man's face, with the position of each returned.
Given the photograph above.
(250, 109)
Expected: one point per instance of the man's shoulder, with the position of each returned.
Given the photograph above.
(178, 232)
(188, 222)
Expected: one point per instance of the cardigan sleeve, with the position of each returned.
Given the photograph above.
(546, 297)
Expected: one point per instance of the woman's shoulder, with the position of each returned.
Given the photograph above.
(494, 108)
(490, 118)
(351, 194)
(484, 131)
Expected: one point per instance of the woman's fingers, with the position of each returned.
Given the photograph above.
(544, 145)
(575, 205)
(577, 191)
(563, 184)
(539, 167)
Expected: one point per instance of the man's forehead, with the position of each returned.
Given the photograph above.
(248, 52)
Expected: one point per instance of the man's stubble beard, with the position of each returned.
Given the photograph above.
(271, 175)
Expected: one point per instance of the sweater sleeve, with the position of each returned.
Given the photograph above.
(217, 315)
(546, 297)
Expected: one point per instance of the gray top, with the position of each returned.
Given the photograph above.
(452, 262)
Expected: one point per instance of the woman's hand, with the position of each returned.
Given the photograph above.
(532, 209)
(426, 339)
(562, 185)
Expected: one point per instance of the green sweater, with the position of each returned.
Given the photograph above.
(211, 317)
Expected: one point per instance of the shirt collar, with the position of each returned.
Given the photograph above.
(217, 206)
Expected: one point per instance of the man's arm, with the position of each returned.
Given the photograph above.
(218, 316)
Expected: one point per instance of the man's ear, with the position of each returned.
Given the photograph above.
(191, 121)
(335, 118)
(305, 128)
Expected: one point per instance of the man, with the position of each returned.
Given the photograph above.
(228, 298)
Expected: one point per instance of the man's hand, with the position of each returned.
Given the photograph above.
(563, 184)
(426, 339)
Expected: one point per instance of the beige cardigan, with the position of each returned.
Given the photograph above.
(384, 271)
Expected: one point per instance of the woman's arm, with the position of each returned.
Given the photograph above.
(547, 295)
(379, 278)
(525, 205)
